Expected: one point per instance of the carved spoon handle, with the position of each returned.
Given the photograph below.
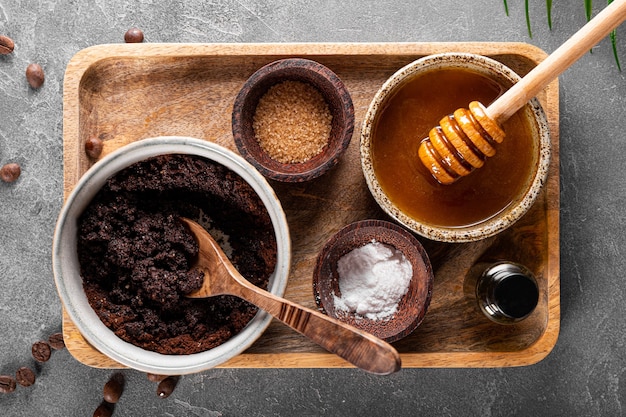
(357, 347)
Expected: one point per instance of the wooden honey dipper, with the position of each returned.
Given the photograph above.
(465, 139)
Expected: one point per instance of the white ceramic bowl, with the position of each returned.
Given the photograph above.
(533, 183)
(69, 282)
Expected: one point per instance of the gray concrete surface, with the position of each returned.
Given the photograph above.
(584, 374)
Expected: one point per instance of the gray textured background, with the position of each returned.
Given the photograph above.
(584, 375)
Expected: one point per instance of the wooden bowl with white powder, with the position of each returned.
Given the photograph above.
(376, 276)
(293, 119)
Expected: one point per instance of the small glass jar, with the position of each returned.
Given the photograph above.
(506, 292)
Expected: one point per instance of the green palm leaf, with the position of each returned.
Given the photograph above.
(614, 42)
(549, 8)
(588, 9)
(527, 11)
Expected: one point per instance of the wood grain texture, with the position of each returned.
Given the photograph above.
(122, 93)
(356, 346)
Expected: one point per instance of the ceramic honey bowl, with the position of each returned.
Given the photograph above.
(407, 106)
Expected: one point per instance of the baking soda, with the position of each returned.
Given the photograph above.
(372, 280)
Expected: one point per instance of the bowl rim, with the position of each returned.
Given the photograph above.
(405, 235)
(319, 74)
(501, 220)
(69, 283)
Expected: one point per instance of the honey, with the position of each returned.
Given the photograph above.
(406, 119)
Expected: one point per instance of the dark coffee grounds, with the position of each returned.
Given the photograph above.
(135, 254)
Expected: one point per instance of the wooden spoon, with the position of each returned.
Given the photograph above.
(357, 347)
(466, 138)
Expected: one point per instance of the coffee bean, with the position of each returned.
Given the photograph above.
(10, 172)
(25, 376)
(103, 410)
(133, 35)
(93, 147)
(7, 384)
(113, 389)
(34, 75)
(41, 351)
(156, 377)
(167, 386)
(6, 45)
(56, 341)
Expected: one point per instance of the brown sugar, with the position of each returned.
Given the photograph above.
(292, 122)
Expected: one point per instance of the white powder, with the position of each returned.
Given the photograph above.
(372, 280)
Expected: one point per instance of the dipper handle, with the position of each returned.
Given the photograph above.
(466, 138)
(558, 61)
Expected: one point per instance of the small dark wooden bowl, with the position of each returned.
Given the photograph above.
(412, 306)
(339, 103)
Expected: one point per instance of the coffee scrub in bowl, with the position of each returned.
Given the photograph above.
(122, 256)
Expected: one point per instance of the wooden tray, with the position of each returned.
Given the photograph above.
(127, 92)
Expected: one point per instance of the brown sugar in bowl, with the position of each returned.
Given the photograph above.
(412, 307)
(340, 106)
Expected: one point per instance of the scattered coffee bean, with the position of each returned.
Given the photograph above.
(41, 351)
(93, 147)
(34, 75)
(7, 384)
(10, 172)
(133, 35)
(156, 377)
(6, 45)
(103, 410)
(25, 376)
(113, 389)
(166, 387)
(56, 341)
